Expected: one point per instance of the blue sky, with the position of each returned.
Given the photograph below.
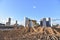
(34, 9)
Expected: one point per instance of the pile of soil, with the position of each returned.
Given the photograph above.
(31, 33)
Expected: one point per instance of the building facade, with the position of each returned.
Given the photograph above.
(29, 22)
(9, 22)
(45, 22)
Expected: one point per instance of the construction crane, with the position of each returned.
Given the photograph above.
(55, 19)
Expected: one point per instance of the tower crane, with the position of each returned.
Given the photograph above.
(55, 19)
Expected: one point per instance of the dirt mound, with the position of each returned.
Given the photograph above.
(31, 33)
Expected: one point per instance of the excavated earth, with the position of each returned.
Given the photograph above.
(31, 33)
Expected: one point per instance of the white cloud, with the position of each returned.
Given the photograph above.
(34, 6)
(3, 21)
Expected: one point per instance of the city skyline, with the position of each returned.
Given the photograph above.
(34, 9)
(9, 21)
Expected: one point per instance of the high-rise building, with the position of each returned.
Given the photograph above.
(45, 22)
(29, 22)
(9, 22)
(41, 23)
(49, 21)
(16, 24)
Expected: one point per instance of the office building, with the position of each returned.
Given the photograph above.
(45, 22)
(16, 24)
(29, 22)
(9, 22)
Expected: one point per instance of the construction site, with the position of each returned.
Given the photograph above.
(29, 19)
(31, 31)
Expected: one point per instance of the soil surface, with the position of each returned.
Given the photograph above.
(34, 33)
